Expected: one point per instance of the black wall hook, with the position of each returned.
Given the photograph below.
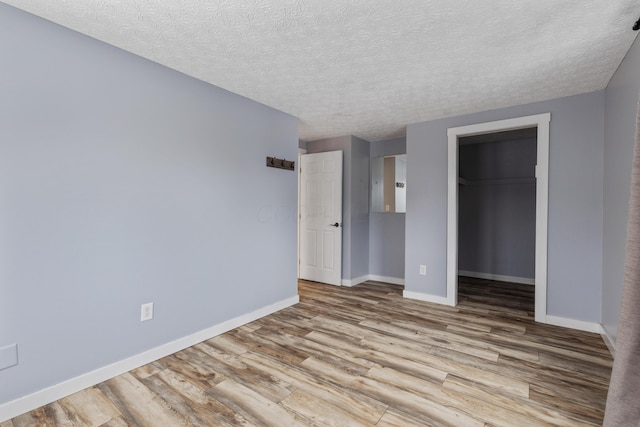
(274, 162)
(636, 26)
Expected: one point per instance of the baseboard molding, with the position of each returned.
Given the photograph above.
(387, 279)
(498, 277)
(51, 394)
(609, 342)
(426, 297)
(355, 281)
(362, 279)
(580, 325)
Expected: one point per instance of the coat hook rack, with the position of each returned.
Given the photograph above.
(274, 162)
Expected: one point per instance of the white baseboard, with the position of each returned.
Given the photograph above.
(498, 277)
(356, 281)
(387, 279)
(580, 325)
(426, 297)
(608, 340)
(362, 279)
(51, 394)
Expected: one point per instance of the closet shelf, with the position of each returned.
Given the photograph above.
(500, 181)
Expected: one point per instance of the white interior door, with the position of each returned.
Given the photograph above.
(321, 217)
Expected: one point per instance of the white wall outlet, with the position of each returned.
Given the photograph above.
(423, 270)
(146, 312)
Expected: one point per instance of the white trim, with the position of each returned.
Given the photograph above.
(542, 202)
(426, 297)
(301, 151)
(356, 281)
(498, 277)
(387, 279)
(51, 394)
(362, 279)
(542, 217)
(580, 325)
(608, 340)
(452, 218)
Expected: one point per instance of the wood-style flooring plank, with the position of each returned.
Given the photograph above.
(364, 356)
(522, 411)
(321, 412)
(432, 412)
(49, 415)
(89, 407)
(137, 404)
(255, 407)
(199, 408)
(395, 418)
(368, 409)
(479, 375)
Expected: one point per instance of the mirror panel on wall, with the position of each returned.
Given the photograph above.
(389, 184)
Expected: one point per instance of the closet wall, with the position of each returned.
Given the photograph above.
(497, 206)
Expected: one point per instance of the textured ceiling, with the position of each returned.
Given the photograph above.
(369, 67)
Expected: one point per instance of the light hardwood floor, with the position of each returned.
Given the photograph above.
(364, 356)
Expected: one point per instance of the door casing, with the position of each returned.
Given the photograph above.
(541, 122)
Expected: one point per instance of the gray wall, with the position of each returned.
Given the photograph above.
(123, 182)
(360, 177)
(497, 208)
(575, 202)
(386, 230)
(620, 125)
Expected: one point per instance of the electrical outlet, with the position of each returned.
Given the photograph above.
(423, 270)
(146, 312)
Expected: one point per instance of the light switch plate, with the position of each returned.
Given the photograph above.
(8, 356)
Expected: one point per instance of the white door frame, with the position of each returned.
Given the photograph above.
(301, 151)
(541, 121)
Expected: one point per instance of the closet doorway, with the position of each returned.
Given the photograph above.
(498, 176)
(497, 218)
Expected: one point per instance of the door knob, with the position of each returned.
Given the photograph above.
(335, 225)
